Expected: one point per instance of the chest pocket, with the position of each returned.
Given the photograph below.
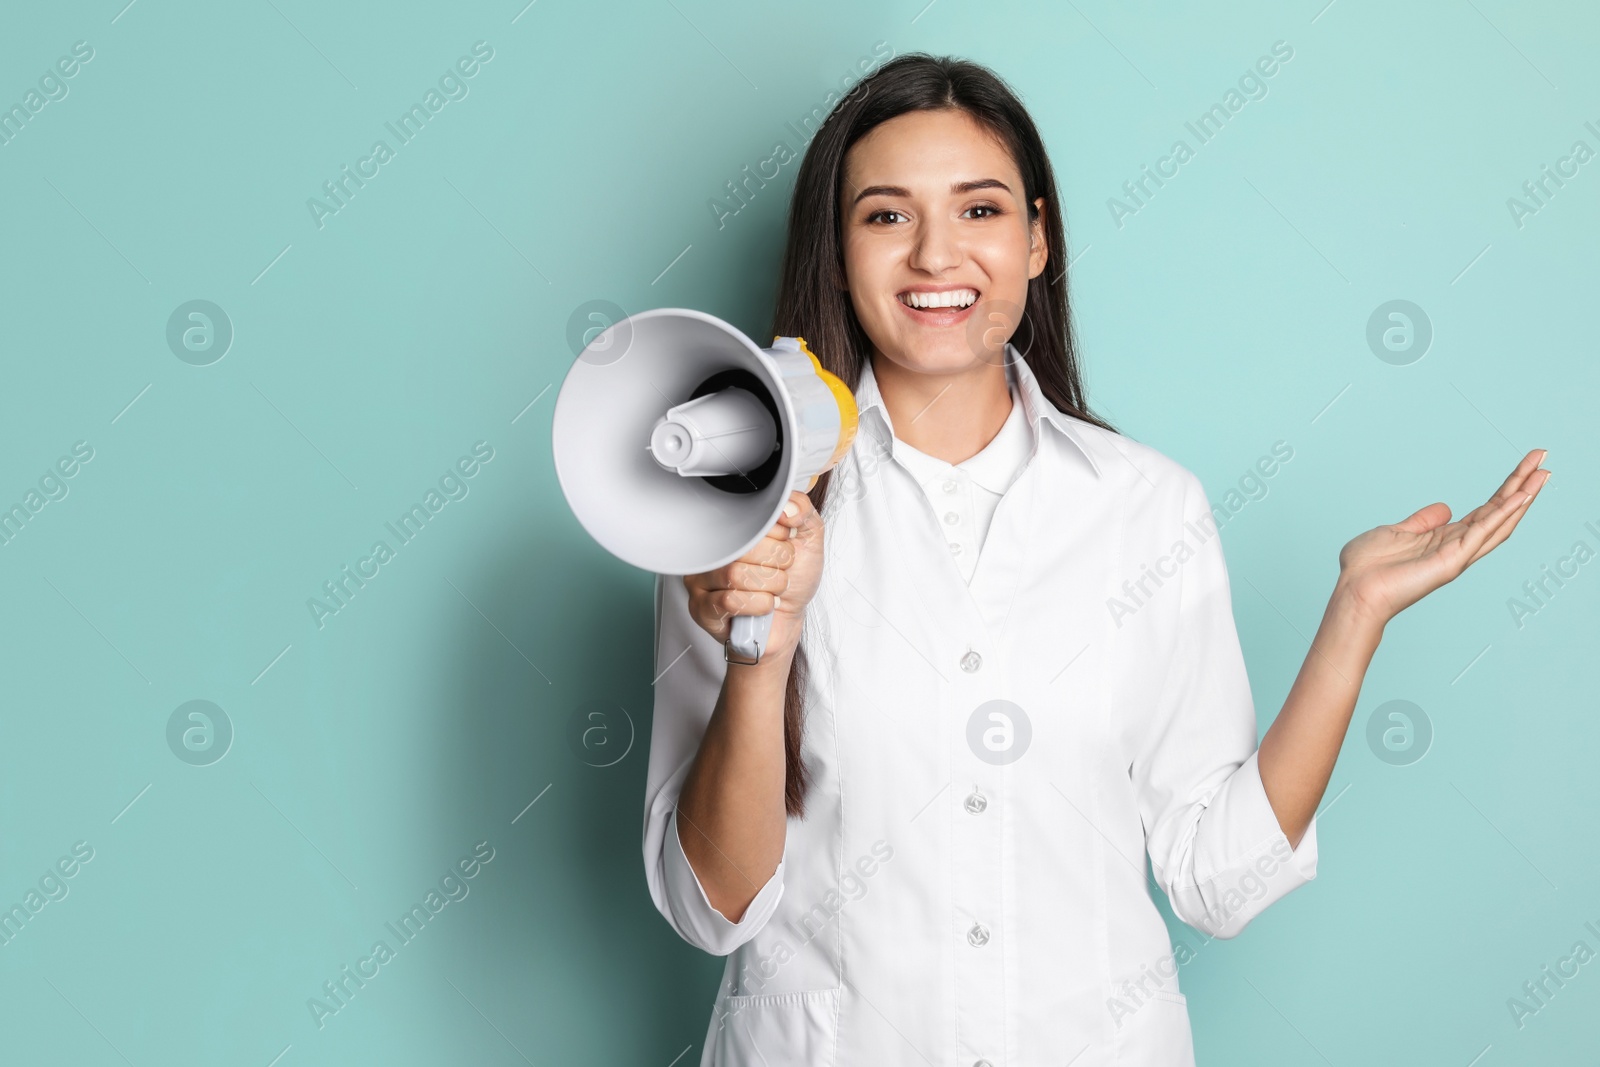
(781, 1028)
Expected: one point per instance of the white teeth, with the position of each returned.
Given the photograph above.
(958, 298)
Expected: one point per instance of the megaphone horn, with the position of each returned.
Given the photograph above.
(677, 441)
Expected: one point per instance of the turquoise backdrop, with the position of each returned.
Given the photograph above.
(191, 474)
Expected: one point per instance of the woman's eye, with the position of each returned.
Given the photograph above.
(880, 215)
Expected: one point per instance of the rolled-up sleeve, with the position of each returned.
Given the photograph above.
(1215, 844)
(689, 669)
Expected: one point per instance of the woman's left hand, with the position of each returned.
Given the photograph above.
(1388, 569)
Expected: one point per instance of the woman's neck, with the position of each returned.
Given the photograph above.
(948, 416)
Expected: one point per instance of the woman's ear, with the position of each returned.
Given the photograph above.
(1038, 246)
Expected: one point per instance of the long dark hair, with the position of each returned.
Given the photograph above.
(812, 304)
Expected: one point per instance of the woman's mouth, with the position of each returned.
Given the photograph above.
(938, 307)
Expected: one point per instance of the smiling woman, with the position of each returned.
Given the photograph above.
(942, 675)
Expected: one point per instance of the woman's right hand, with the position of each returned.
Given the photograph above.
(780, 574)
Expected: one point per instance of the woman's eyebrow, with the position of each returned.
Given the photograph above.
(955, 187)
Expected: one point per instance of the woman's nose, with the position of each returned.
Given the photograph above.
(936, 246)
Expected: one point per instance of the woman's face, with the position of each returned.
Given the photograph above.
(932, 208)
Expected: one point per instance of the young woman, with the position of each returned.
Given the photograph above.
(917, 828)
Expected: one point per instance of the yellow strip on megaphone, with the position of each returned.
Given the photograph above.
(849, 417)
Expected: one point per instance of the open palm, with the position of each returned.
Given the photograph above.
(1392, 567)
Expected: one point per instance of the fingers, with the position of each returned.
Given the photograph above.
(1521, 480)
(726, 584)
(1424, 519)
(728, 602)
(712, 607)
(798, 515)
(757, 577)
(1514, 510)
(1494, 521)
(753, 584)
(773, 550)
(1515, 480)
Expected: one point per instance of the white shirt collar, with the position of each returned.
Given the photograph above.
(995, 467)
(874, 416)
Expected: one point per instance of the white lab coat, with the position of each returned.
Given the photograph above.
(957, 894)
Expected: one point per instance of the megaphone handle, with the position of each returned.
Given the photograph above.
(748, 640)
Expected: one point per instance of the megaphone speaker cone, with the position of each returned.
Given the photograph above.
(639, 510)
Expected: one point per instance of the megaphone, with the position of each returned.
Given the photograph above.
(677, 441)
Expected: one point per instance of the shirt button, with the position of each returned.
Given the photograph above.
(976, 802)
(955, 548)
(978, 936)
(971, 662)
(949, 487)
(982, 1063)
(951, 518)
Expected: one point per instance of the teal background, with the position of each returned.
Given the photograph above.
(432, 312)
